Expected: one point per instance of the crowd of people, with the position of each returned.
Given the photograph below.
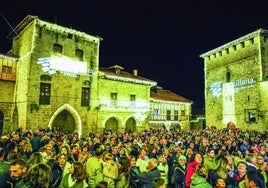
(156, 158)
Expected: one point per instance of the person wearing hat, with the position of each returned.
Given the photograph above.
(177, 178)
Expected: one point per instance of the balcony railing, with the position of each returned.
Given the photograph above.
(124, 104)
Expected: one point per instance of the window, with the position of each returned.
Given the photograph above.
(57, 49)
(156, 111)
(227, 51)
(176, 115)
(228, 77)
(113, 99)
(251, 115)
(132, 101)
(45, 78)
(79, 54)
(234, 48)
(45, 89)
(168, 115)
(85, 96)
(7, 69)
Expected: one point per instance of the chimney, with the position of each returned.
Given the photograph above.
(135, 72)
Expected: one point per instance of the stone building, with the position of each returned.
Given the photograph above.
(8, 111)
(51, 78)
(236, 83)
(124, 100)
(169, 110)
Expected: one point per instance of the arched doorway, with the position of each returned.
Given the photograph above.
(1, 121)
(111, 125)
(130, 125)
(77, 125)
(64, 121)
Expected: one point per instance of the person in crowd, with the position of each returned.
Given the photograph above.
(221, 171)
(252, 180)
(169, 156)
(115, 153)
(35, 142)
(195, 160)
(230, 165)
(47, 153)
(163, 167)
(188, 153)
(122, 152)
(35, 158)
(38, 176)
(84, 154)
(76, 178)
(63, 163)
(159, 183)
(142, 160)
(239, 176)
(220, 183)
(178, 173)
(109, 174)
(56, 173)
(107, 147)
(12, 156)
(146, 178)
(199, 178)
(4, 169)
(11, 147)
(74, 152)
(18, 169)
(209, 159)
(251, 160)
(66, 149)
(94, 166)
(262, 166)
(26, 150)
(134, 171)
(106, 158)
(123, 172)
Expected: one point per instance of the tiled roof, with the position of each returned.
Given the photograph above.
(167, 95)
(111, 71)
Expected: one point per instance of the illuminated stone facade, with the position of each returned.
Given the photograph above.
(236, 86)
(8, 112)
(169, 110)
(56, 82)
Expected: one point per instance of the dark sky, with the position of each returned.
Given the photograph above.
(162, 39)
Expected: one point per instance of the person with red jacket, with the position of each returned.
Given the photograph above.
(195, 160)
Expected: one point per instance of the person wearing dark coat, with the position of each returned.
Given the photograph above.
(4, 169)
(146, 178)
(35, 142)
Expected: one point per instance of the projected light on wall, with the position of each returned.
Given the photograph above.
(64, 65)
(216, 89)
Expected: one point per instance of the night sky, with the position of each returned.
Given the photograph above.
(162, 39)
